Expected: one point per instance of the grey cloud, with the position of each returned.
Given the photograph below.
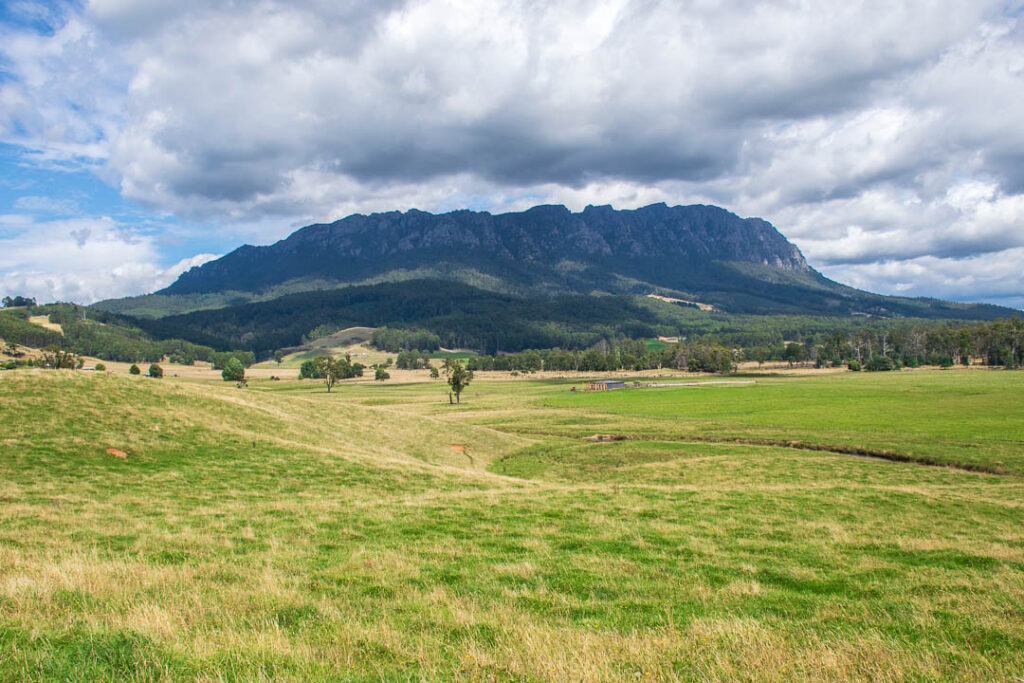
(81, 236)
(506, 102)
(991, 277)
(854, 127)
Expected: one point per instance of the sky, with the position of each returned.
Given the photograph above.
(139, 138)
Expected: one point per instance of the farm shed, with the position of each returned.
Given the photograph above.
(606, 385)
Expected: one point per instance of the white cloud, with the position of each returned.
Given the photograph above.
(64, 207)
(992, 277)
(869, 132)
(83, 260)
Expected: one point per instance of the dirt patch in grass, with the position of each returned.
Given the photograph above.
(117, 453)
(604, 438)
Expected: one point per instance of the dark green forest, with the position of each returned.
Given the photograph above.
(570, 332)
(428, 314)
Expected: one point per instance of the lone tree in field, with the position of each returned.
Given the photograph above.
(278, 356)
(233, 371)
(156, 371)
(381, 375)
(134, 370)
(333, 369)
(458, 378)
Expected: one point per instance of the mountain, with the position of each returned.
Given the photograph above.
(694, 253)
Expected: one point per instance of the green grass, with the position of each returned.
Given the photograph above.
(971, 419)
(283, 533)
(656, 344)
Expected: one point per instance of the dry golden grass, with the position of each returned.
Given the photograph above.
(44, 321)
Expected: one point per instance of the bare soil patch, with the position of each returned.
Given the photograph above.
(44, 321)
(604, 438)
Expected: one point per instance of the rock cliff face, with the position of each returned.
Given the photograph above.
(544, 249)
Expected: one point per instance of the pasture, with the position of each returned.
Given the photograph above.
(377, 533)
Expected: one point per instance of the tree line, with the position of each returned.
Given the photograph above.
(876, 347)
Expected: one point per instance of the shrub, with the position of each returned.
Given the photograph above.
(233, 371)
(941, 359)
(381, 375)
(134, 370)
(854, 366)
(879, 364)
(156, 371)
(100, 367)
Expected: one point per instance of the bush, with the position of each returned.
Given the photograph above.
(100, 367)
(381, 375)
(233, 371)
(134, 370)
(310, 370)
(941, 359)
(854, 366)
(879, 364)
(156, 371)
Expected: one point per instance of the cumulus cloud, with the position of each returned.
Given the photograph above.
(875, 134)
(84, 260)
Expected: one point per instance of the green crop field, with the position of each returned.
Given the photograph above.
(732, 532)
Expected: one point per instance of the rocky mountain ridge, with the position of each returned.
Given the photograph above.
(516, 247)
(692, 253)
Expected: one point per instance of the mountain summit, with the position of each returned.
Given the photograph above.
(545, 249)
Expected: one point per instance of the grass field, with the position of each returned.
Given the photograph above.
(283, 533)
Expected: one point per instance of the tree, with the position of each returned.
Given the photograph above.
(434, 374)
(308, 370)
(795, 353)
(16, 301)
(458, 378)
(156, 371)
(381, 375)
(100, 367)
(57, 358)
(134, 370)
(332, 369)
(279, 356)
(233, 370)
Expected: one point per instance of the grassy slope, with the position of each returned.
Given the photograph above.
(285, 533)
